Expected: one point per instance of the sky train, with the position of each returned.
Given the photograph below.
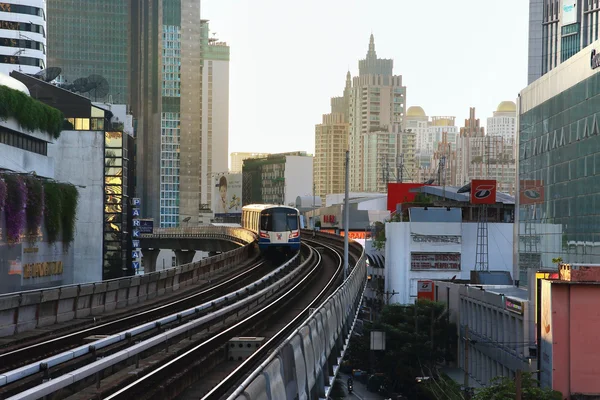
(277, 226)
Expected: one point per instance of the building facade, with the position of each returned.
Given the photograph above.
(376, 123)
(558, 166)
(23, 41)
(497, 319)
(91, 40)
(331, 144)
(96, 152)
(568, 363)
(181, 103)
(277, 178)
(237, 159)
(436, 244)
(503, 123)
(557, 31)
(215, 110)
(536, 16)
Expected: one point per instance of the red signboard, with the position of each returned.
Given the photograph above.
(399, 193)
(531, 192)
(483, 191)
(425, 290)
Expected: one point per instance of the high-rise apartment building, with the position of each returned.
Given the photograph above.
(215, 110)
(536, 16)
(376, 119)
(559, 29)
(481, 156)
(504, 121)
(91, 39)
(180, 77)
(23, 39)
(237, 159)
(417, 122)
(331, 143)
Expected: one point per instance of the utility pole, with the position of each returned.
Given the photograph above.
(466, 361)
(346, 214)
(313, 207)
(518, 383)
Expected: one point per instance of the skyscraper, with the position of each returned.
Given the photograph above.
(181, 101)
(215, 110)
(376, 117)
(559, 29)
(91, 39)
(23, 41)
(331, 144)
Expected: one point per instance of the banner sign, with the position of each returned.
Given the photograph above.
(483, 191)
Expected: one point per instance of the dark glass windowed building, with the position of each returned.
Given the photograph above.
(559, 167)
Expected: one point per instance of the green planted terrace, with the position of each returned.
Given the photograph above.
(30, 113)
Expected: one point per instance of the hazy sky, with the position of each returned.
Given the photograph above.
(289, 57)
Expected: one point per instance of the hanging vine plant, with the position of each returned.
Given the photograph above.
(35, 206)
(2, 193)
(15, 207)
(70, 198)
(52, 210)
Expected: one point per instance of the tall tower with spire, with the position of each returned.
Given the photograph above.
(376, 117)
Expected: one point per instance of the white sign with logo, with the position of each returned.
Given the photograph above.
(569, 12)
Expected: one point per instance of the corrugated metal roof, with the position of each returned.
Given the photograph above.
(450, 192)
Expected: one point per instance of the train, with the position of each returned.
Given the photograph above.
(277, 226)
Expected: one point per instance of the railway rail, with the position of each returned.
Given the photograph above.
(183, 326)
(113, 336)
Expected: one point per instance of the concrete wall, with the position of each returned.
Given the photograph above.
(79, 159)
(399, 245)
(18, 160)
(298, 177)
(25, 311)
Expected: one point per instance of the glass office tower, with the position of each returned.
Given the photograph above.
(91, 39)
(559, 167)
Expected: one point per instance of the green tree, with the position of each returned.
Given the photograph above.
(503, 388)
(418, 338)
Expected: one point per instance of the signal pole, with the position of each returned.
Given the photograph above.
(346, 214)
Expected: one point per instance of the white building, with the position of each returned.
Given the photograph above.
(215, 111)
(75, 157)
(436, 245)
(23, 36)
(504, 121)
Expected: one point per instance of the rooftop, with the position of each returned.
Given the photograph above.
(451, 193)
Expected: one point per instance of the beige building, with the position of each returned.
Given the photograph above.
(482, 156)
(237, 159)
(331, 144)
(376, 123)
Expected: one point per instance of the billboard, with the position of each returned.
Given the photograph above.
(569, 12)
(483, 191)
(531, 192)
(401, 193)
(425, 290)
(227, 194)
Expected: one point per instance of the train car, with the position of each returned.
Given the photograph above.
(277, 226)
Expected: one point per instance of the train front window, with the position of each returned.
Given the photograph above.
(278, 220)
